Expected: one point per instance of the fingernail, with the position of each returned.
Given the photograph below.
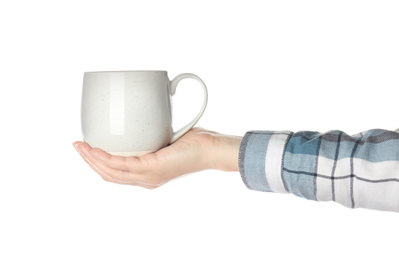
(76, 145)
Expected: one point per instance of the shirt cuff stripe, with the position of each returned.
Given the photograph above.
(274, 161)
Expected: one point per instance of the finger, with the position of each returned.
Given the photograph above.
(107, 173)
(83, 149)
(127, 164)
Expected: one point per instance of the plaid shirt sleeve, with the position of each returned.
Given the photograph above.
(361, 170)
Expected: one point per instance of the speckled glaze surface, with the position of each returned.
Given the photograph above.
(128, 113)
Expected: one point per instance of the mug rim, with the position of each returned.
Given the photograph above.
(124, 71)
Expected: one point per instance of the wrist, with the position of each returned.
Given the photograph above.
(225, 155)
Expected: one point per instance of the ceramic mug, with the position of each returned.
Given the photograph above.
(128, 113)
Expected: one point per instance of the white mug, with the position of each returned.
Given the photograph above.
(128, 113)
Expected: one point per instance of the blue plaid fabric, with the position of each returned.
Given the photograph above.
(361, 170)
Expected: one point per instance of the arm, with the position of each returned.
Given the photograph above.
(355, 171)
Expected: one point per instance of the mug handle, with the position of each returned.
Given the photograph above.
(173, 84)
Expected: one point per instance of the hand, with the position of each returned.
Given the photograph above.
(197, 150)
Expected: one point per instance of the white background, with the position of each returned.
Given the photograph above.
(268, 65)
